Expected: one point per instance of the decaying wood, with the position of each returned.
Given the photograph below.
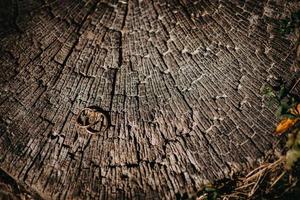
(137, 99)
(10, 189)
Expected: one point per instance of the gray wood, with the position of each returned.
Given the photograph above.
(137, 99)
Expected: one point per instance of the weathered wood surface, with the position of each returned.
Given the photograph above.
(11, 189)
(137, 99)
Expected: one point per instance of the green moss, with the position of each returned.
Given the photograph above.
(289, 24)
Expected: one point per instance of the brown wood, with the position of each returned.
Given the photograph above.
(137, 99)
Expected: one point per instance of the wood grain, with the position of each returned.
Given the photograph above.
(177, 84)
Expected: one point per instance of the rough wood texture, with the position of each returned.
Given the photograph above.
(137, 99)
(10, 189)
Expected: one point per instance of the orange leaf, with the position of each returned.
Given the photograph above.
(298, 108)
(295, 110)
(284, 125)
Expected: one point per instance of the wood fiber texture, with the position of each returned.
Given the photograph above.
(137, 99)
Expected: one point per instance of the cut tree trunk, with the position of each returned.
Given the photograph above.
(137, 99)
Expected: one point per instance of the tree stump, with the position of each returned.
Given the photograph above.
(118, 99)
